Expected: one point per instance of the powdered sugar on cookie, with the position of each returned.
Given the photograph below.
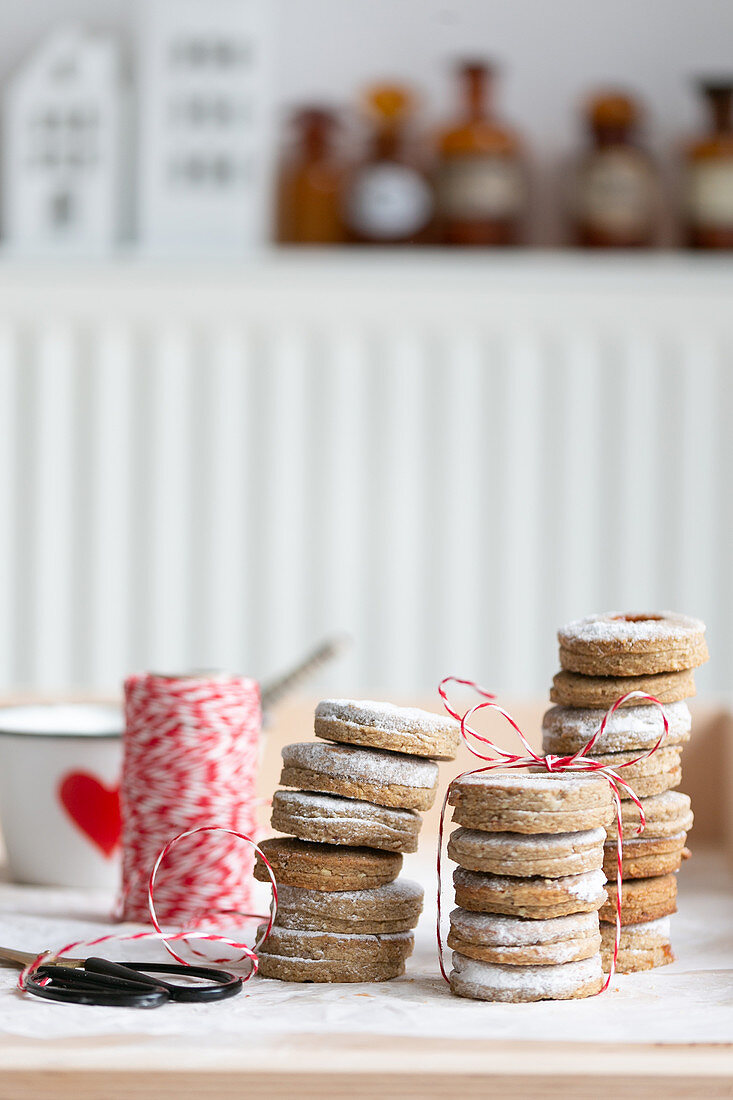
(386, 716)
(616, 626)
(539, 982)
(539, 780)
(493, 929)
(370, 765)
(587, 887)
(659, 928)
(299, 935)
(334, 808)
(666, 814)
(629, 727)
(529, 845)
(392, 893)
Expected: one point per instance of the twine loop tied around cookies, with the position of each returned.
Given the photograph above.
(194, 933)
(578, 761)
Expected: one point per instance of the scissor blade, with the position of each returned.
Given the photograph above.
(9, 956)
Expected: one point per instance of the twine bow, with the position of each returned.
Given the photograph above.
(184, 936)
(578, 761)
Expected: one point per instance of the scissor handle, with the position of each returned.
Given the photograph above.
(77, 986)
(221, 983)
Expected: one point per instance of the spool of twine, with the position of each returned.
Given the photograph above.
(191, 754)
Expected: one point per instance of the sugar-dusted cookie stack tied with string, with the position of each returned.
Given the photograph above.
(529, 884)
(602, 658)
(343, 914)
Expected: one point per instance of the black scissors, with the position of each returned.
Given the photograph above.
(133, 985)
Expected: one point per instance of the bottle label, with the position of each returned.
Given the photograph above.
(481, 187)
(389, 202)
(616, 193)
(710, 193)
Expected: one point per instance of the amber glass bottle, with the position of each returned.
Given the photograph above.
(616, 204)
(710, 174)
(482, 185)
(311, 182)
(390, 197)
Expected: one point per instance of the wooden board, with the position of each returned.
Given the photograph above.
(334, 1066)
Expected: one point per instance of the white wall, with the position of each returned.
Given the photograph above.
(551, 52)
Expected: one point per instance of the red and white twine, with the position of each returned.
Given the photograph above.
(191, 754)
(242, 950)
(576, 762)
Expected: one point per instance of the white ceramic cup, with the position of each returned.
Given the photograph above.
(60, 770)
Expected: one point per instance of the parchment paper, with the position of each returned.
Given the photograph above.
(689, 1001)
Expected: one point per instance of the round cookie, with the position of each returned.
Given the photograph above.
(565, 730)
(522, 942)
(385, 726)
(328, 819)
(551, 855)
(530, 802)
(666, 814)
(656, 773)
(325, 970)
(395, 907)
(571, 689)
(641, 946)
(372, 775)
(325, 866)
(538, 898)
(294, 955)
(491, 982)
(642, 899)
(644, 857)
(637, 644)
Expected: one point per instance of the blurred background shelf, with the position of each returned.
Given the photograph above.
(326, 54)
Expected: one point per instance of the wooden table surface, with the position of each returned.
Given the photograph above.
(331, 1065)
(336, 1066)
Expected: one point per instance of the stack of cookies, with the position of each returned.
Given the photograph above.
(529, 884)
(603, 657)
(343, 914)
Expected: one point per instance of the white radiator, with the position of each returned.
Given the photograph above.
(445, 456)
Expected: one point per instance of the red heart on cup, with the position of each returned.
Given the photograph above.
(94, 808)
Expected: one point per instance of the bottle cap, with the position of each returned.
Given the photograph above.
(716, 86)
(390, 101)
(612, 110)
(313, 116)
(475, 67)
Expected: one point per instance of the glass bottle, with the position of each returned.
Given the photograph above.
(310, 183)
(482, 186)
(709, 183)
(616, 204)
(390, 198)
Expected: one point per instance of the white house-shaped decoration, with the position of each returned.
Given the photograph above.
(61, 161)
(206, 132)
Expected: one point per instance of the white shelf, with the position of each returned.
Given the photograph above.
(349, 270)
(319, 286)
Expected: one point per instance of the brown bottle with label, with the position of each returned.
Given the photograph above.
(709, 184)
(617, 197)
(389, 197)
(482, 185)
(311, 182)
